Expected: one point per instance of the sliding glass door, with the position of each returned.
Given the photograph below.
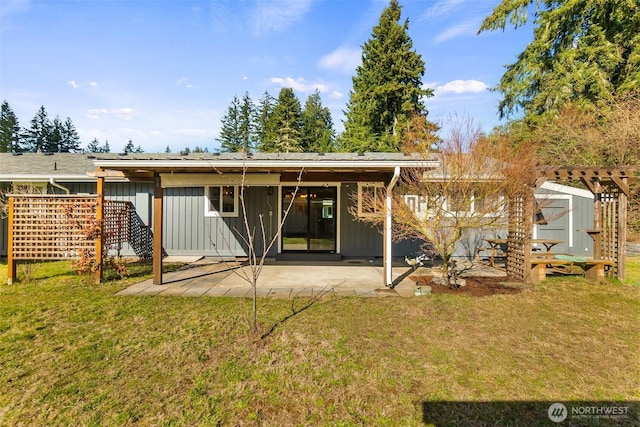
(311, 223)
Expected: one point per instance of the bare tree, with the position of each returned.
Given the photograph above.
(258, 244)
(469, 191)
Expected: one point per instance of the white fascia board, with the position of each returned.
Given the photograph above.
(565, 189)
(46, 178)
(264, 164)
(57, 178)
(213, 178)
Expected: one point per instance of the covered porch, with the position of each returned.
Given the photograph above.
(278, 170)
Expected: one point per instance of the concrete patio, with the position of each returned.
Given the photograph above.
(211, 277)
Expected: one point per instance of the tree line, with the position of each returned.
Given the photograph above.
(47, 136)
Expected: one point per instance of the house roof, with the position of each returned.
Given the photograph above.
(41, 167)
(137, 165)
(76, 167)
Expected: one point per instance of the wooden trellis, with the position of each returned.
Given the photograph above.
(519, 236)
(54, 227)
(51, 227)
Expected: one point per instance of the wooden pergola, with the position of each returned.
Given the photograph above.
(610, 187)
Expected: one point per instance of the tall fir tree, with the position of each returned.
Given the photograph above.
(387, 88)
(129, 148)
(230, 139)
(95, 147)
(70, 142)
(55, 139)
(247, 122)
(38, 136)
(264, 110)
(10, 137)
(317, 126)
(284, 125)
(583, 52)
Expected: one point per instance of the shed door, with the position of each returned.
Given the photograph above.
(556, 214)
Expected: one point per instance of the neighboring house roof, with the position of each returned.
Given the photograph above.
(42, 167)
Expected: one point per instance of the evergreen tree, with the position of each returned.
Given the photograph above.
(95, 147)
(284, 125)
(230, 139)
(129, 148)
(92, 147)
(70, 141)
(139, 149)
(317, 126)
(55, 139)
(583, 52)
(261, 125)
(246, 125)
(38, 137)
(10, 138)
(387, 89)
(167, 150)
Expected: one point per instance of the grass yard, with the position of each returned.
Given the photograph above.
(73, 353)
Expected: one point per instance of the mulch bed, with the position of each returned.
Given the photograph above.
(477, 286)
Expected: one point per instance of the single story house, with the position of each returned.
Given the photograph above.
(200, 201)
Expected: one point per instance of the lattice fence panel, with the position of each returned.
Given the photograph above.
(52, 227)
(519, 237)
(116, 222)
(609, 213)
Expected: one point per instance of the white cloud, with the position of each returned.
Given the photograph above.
(342, 59)
(185, 83)
(336, 94)
(458, 87)
(468, 28)
(299, 84)
(193, 132)
(93, 84)
(276, 15)
(73, 84)
(119, 113)
(10, 7)
(441, 8)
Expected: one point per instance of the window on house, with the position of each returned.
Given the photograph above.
(370, 199)
(221, 200)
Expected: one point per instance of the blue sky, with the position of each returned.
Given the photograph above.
(163, 72)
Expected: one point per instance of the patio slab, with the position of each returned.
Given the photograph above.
(209, 277)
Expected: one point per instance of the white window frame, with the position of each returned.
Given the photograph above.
(361, 186)
(215, 213)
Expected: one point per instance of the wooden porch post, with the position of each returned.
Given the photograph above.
(622, 231)
(157, 230)
(387, 256)
(11, 263)
(97, 278)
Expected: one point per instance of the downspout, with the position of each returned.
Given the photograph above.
(61, 187)
(387, 227)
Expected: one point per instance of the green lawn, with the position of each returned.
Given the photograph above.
(73, 353)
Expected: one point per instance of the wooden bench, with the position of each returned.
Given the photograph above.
(539, 267)
(594, 269)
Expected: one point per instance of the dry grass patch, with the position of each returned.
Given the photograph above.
(74, 353)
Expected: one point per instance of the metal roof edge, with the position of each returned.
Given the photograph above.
(187, 164)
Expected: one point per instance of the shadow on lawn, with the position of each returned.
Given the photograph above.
(532, 413)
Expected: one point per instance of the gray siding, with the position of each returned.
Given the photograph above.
(4, 227)
(187, 231)
(359, 239)
(567, 214)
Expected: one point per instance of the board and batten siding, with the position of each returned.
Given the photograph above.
(187, 231)
(362, 240)
(568, 210)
